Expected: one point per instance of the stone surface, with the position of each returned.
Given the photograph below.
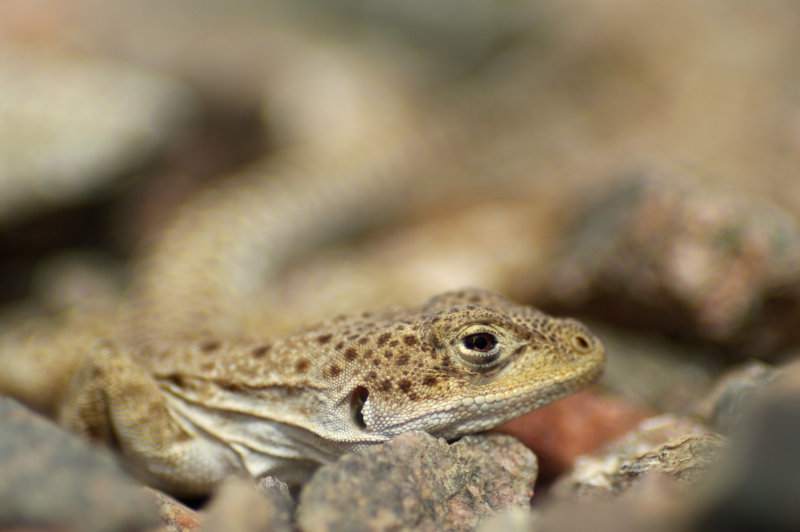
(71, 124)
(51, 478)
(677, 447)
(757, 486)
(418, 482)
(663, 251)
(175, 515)
(724, 406)
(241, 506)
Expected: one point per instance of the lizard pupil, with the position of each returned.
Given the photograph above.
(481, 342)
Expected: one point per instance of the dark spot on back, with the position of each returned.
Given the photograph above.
(209, 346)
(302, 365)
(394, 343)
(410, 339)
(363, 340)
(351, 354)
(404, 385)
(430, 380)
(402, 360)
(339, 346)
(372, 375)
(386, 385)
(334, 370)
(324, 338)
(388, 354)
(382, 339)
(261, 350)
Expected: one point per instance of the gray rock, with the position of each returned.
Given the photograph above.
(51, 478)
(757, 486)
(418, 482)
(733, 393)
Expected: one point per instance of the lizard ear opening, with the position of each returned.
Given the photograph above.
(358, 397)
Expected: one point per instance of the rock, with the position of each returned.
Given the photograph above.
(420, 482)
(724, 406)
(662, 251)
(677, 447)
(51, 478)
(239, 506)
(757, 486)
(560, 432)
(73, 124)
(176, 516)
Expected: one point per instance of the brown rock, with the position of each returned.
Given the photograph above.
(240, 506)
(416, 481)
(704, 263)
(175, 515)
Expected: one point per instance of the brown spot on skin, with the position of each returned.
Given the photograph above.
(207, 366)
(376, 362)
(410, 339)
(302, 365)
(386, 385)
(382, 339)
(394, 343)
(210, 346)
(402, 360)
(232, 386)
(369, 353)
(324, 338)
(404, 385)
(518, 350)
(352, 337)
(430, 380)
(334, 370)
(339, 346)
(413, 396)
(351, 354)
(261, 350)
(363, 340)
(388, 354)
(372, 375)
(434, 355)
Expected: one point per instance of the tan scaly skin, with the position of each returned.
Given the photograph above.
(189, 415)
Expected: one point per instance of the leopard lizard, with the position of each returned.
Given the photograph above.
(187, 415)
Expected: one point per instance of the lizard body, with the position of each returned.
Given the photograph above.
(188, 415)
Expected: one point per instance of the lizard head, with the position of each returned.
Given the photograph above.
(468, 361)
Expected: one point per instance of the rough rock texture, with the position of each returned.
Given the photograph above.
(416, 481)
(702, 262)
(678, 447)
(49, 477)
(240, 506)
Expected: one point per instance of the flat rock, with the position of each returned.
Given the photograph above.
(242, 506)
(419, 482)
(663, 251)
(669, 445)
(51, 478)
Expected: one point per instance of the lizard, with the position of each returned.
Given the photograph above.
(186, 416)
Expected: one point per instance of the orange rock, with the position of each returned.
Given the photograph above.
(560, 432)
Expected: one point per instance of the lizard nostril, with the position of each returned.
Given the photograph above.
(581, 343)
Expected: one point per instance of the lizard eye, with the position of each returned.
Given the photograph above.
(480, 348)
(481, 342)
